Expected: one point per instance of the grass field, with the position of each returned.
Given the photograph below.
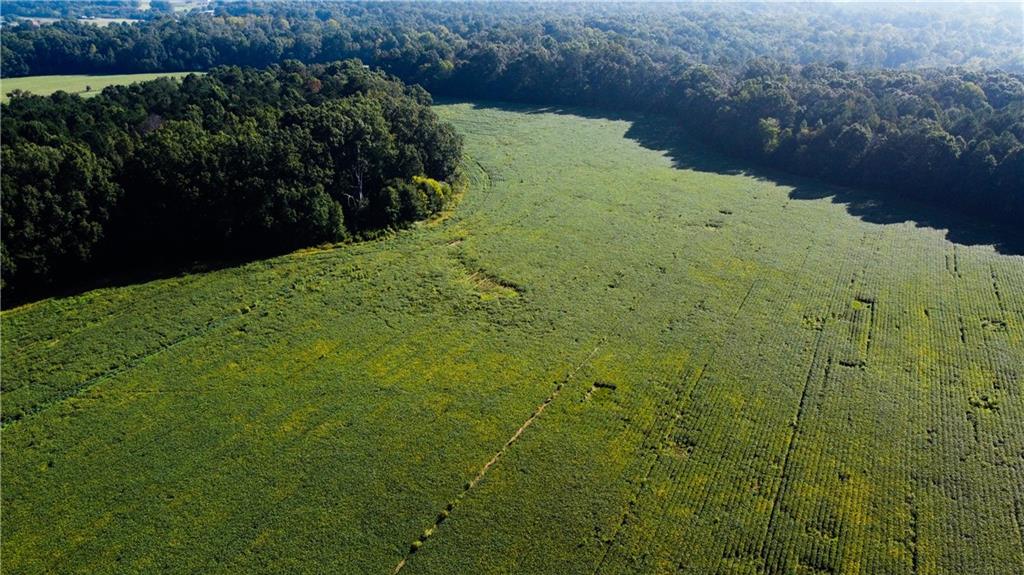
(75, 84)
(609, 358)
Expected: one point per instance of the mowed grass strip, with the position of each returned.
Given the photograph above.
(778, 387)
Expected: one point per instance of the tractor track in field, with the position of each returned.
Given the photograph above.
(676, 405)
(682, 398)
(211, 326)
(484, 189)
(131, 364)
(443, 515)
(304, 366)
(821, 360)
(114, 313)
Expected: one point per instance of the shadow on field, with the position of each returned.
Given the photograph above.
(106, 275)
(657, 133)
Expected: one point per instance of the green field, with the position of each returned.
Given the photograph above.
(609, 358)
(76, 84)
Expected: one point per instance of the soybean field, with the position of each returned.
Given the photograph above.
(618, 353)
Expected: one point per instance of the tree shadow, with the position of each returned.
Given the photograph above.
(654, 133)
(106, 275)
(657, 133)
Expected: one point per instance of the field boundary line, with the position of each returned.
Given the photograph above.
(497, 456)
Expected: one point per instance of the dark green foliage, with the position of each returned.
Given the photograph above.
(801, 90)
(56, 202)
(433, 39)
(234, 163)
(81, 8)
(158, 7)
(797, 389)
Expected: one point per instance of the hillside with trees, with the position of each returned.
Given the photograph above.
(235, 163)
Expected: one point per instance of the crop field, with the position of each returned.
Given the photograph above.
(76, 84)
(613, 356)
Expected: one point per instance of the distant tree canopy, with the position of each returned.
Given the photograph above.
(788, 86)
(420, 37)
(236, 162)
(80, 9)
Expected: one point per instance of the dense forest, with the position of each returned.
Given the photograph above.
(845, 94)
(133, 9)
(724, 35)
(235, 163)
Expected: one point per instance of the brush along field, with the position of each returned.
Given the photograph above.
(76, 84)
(601, 361)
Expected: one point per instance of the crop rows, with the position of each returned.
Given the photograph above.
(777, 387)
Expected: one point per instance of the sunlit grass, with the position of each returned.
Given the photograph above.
(790, 389)
(75, 84)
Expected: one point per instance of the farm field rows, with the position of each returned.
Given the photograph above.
(609, 358)
(76, 84)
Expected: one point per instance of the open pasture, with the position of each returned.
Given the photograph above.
(609, 358)
(76, 84)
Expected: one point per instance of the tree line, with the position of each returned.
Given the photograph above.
(950, 136)
(234, 163)
(724, 35)
(133, 9)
